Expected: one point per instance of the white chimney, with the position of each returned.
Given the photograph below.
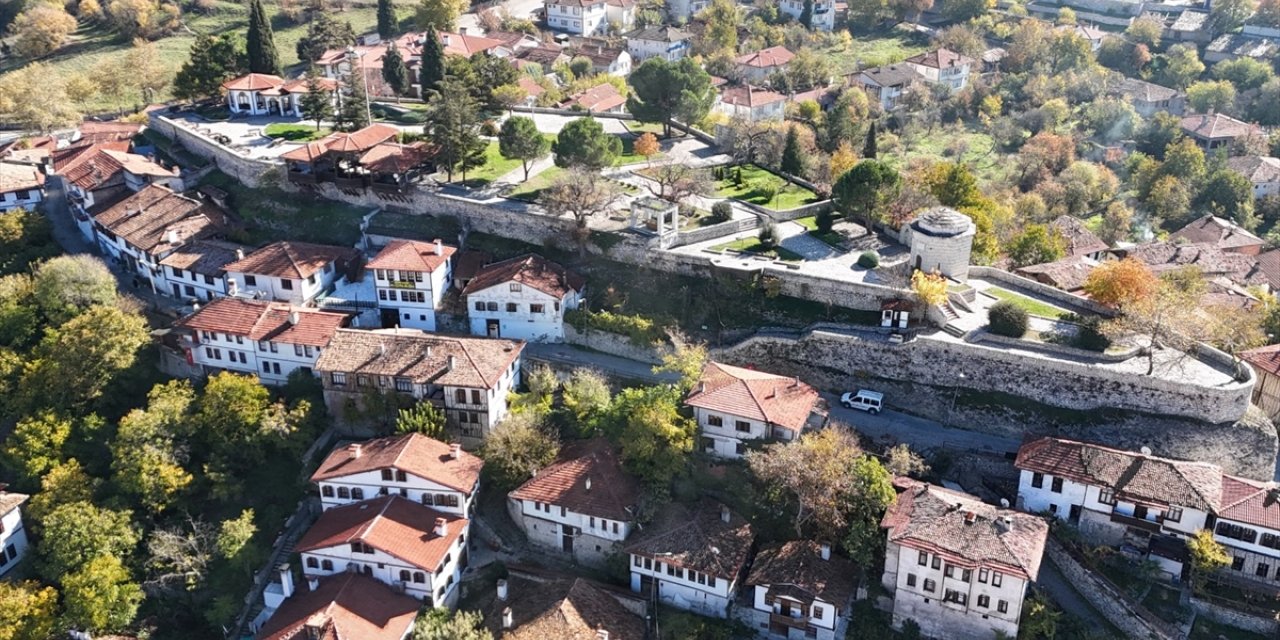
(602, 634)
(239, 254)
(313, 583)
(455, 450)
(293, 318)
(502, 590)
(382, 348)
(507, 621)
(1146, 451)
(286, 580)
(588, 483)
(355, 450)
(171, 236)
(824, 550)
(724, 513)
(439, 247)
(442, 527)
(451, 363)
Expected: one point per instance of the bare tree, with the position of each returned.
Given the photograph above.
(677, 181)
(180, 556)
(1166, 318)
(582, 193)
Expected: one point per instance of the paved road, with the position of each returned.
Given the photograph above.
(570, 355)
(918, 432)
(63, 226)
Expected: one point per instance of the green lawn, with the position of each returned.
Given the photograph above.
(811, 223)
(531, 188)
(629, 155)
(1032, 306)
(495, 166)
(752, 245)
(980, 153)
(295, 132)
(637, 127)
(273, 214)
(788, 196)
(875, 49)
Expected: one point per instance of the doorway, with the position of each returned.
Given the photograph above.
(493, 328)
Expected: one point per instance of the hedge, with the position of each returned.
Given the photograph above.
(639, 330)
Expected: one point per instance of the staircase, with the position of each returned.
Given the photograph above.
(950, 313)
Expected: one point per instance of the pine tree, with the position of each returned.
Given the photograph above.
(354, 112)
(432, 63)
(869, 149)
(453, 124)
(261, 43)
(792, 155)
(212, 62)
(316, 104)
(387, 21)
(394, 72)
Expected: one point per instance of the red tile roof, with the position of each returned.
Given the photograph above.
(205, 257)
(764, 58)
(798, 566)
(266, 321)
(253, 82)
(612, 493)
(465, 45)
(1250, 502)
(563, 608)
(19, 177)
(411, 255)
(89, 167)
(1264, 358)
(152, 217)
(965, 530)
(1068, 274)
(601, 97)
(345, 606)
(296, 260)
(391, 524)
(748, 96)
(940, 59)
(413, 453)
(477, 363)
(392, 157)
(1217, 232)
(530, 86)
(361, 140)
(530, 270)
(697, 537)
(755, 395)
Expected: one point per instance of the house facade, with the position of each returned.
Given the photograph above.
(799, 590)
(13, 535)
(577, 17)
(751, 103)
(956, 566)
(1148, 99)
(293, 272)
(823, 17)
(523, 298)
(411, 278)
(666, 42)
(583, 505)
(347, 605)
(468, 378)
(757, 66)
(197, 271)
(21, 186)
(887, 84)
(420, 469)
(692, 558)
(943, 67)
(255, 337)
(393, 540)
(261, 94)
(1216, 131)
(1263, 172)
(733, 405)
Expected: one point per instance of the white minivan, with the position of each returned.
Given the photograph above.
(864, 399)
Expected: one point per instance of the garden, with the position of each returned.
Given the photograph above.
(295, 132)
(761, 187)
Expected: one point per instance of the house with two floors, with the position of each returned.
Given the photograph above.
(942, 67)
(887, 84)
(733, 405)
(752, 104)
(421, 469)
(1148, 98)
(799, 590)
(95, 176)
(13, 535)
(197, 271)
(467, 378)
(661, 41)
(1217, 131)
(344, 605)
(692, 558)
(590, 17)
(287, 271)
(411, 278)
(534, 604)
(255, 337)
(822, 17)
(21, 186)
(1263, 172)
(524, 298)
(758, 66)
(583, 505)
(957, 566)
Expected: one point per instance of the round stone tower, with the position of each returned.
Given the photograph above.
(942, 240)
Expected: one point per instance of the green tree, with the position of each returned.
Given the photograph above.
(1229, 195)
(687, 360)
(1005, 318)
(964, 10)
(28, 611)
(146, 456)
(431, 61)
(324, 34)
(260, 45)
(655, 438)
(64, 484)
(213, 60)
(872, 494)
(77, 532)
(1039, 619)
(866, 190)
(793, 156)
(1207, 557)
(516, 449)
(1036, 244)
(584, 143)
(438, 14)
(806, 14)
(586, 400)
(869, 147)
(424, 418)
(36, 445)
(394, 71)
(1157, 133)
(67, 285)
(1229, 15)
(453, 124)
(353, 113)
(388, 23)
(25, 238)
(663, 90)
(491, 73)
(1211, 95)
(237, 425)
(82, 356)
(317, 102)
(722, 19)
(440, 624)
(1179, 66)
(100, 596)
(233, 539)
(519, 139)
(1245, 73)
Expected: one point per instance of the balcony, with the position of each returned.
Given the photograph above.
(788, 621)
(1137, 523)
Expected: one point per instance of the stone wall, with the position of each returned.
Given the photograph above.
(250, 171)
(1071, 301)
(614, 344)
(1263, 625)
(702, 234)
(1112, 605)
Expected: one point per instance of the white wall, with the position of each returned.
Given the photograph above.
(591, 525)
(190, 284)
(27, 199)
(242, 355)
(583, 21)
(13, 540)
(682, 593)
(441, 585)
(726, 436)
(824, 13)
(821, 613)
(392, 285)
(642, 50)
(413, 488)
(295, 291)
(946, 619)
(522, 324)
(1043, 499)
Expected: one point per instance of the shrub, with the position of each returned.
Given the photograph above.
(722, 211)
(489, 128)
(1090, 336)
(869, 260)
(639, 330)
(768, 235)
(1007, 319)
(825, 220)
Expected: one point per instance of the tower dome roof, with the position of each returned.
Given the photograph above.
(942, 222)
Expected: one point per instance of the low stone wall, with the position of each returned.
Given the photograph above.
(614, 344)
(1266, 626)
(802, 211)
(1071, 301)
(720, 230)
(250, 171)
(1113, 606)
(1048, 347)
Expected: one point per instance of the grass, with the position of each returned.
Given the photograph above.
(811, 224)
(875, 49)
(788, 196)
(980, 153)
(495, 166)
(295, 132)
(637, 127)
(752, 245)
(1030, 305)
(530, 189)
(1206, 629)
(629, 155)
(387, 113)
(272, 214)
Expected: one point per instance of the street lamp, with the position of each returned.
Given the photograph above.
(955, 391)
(364, 77)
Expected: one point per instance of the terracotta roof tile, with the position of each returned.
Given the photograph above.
(749, 96)
(601, 97)
(561, 608)
(613, 492)
(148, 218)
(392, 157)
(1264, 358)
(420, 356)
(696, 537)
(411, 255)
(345, 606)
(1217, 127)
(965, 530)
(19, 177)
(1217, 232)
(258, 320)
(466, 45)
(530, 270)
(90, 167)
(940, 59)
(253, 82)
(412, 453)
(361, 140)
(799, 564)
(1080, 240)
(205, 257)
(756, 395)
(1068, 274)
(391, 524)
(530, 86)
(765, 58)
(10, 501)
(1250, 502)
(296, 260)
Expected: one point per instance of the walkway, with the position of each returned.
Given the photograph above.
(1067, 598)
(919, 433)
(565, 354)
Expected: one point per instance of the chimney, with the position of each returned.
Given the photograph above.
(239, 254)
(507, 622)
(315, 625)
(702, 387)
(382, 348)
(439, 247)
(455, 450)
(355, 450)
(1004, 524)
(286, 580)
(824, 550)
(970, 517)
(502, 590)
(442, 527)
(588, 483)
(313, 583)
(451, 363)
(602, 634)
(293, 318)
(724, 514)
(171, 236)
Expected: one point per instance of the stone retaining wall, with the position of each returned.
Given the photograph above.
(1070, 301)
(614, 344)
(1110, 604)
(1049, 347)
(250, 171)
(720, 230)
(1267, 626)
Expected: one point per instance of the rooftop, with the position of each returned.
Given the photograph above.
(765, 58)
(799, 564)
(10, 501)
(745, 95)
(294, 260)
(554, 607)
(1257, 169)
(587, 477)
(393, 525)
(344, 606)
(698, 537)
(943, 222)
(1143, 91)
(205, 257)
(893, 75)
(601, 97)
(266, 321)
(940, 59)
(411, 255)
(422, 357)
(156, 219)
(413, 453)
(1215, 126)
(530, 270)
(19, 177)
(755, 395)
(1217, 232)
(660, 33)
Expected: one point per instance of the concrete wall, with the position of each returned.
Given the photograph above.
(1235, 618)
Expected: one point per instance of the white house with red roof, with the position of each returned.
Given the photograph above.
(734, 405)
(21, 186)
(956, 566)
(347, 605)
(421, 469)
(757, 66)
(13, 536)
(411, 278)
(583, 505)
(822, 16)
(524, 298)
(261, 94)
(800, 590)
(590, 17)
(943, 67)
(752, 104)
(260, 338)
(294, 272)
(197, 270)
(393, 540)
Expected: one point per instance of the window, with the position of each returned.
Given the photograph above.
(216, 354)
(966, 575)
(460, 396)
(515, 286)
(923, 558)
(1237, 563)
(1270, 540)
(401, 476)
(475, 396)
(357, 494)
(419, 577)
(950, 571)
(326, 565)
(984, 601)
(983, 574)
(387, 474)
(996, 578)
(326, 491)
(286, 284)
(930, 585)
(1056, 487)
(1107, 496)
(479, 306)
(311, 279)
(262, 345)
(1262, 570)
(955, 596)
(741, 426)
(404, 384)
(297, 350)
(537, 308)
(344, 493)
(1002, 606)
(512, 307)
(1037, 480)
(338, 378)
(1174, 514)
(937, 562)
(911, 579)
(250, 281)
(404, 575)
(740, 448)
(312, 563)
(491, 306)
(715, 421)
(1236, 532)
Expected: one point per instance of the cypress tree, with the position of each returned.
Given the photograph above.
(354, 112)
(432, 72)
(792, 156)
(387, 21)
(869, 149)
(806, 14)
(394, 72)
(261, 43)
